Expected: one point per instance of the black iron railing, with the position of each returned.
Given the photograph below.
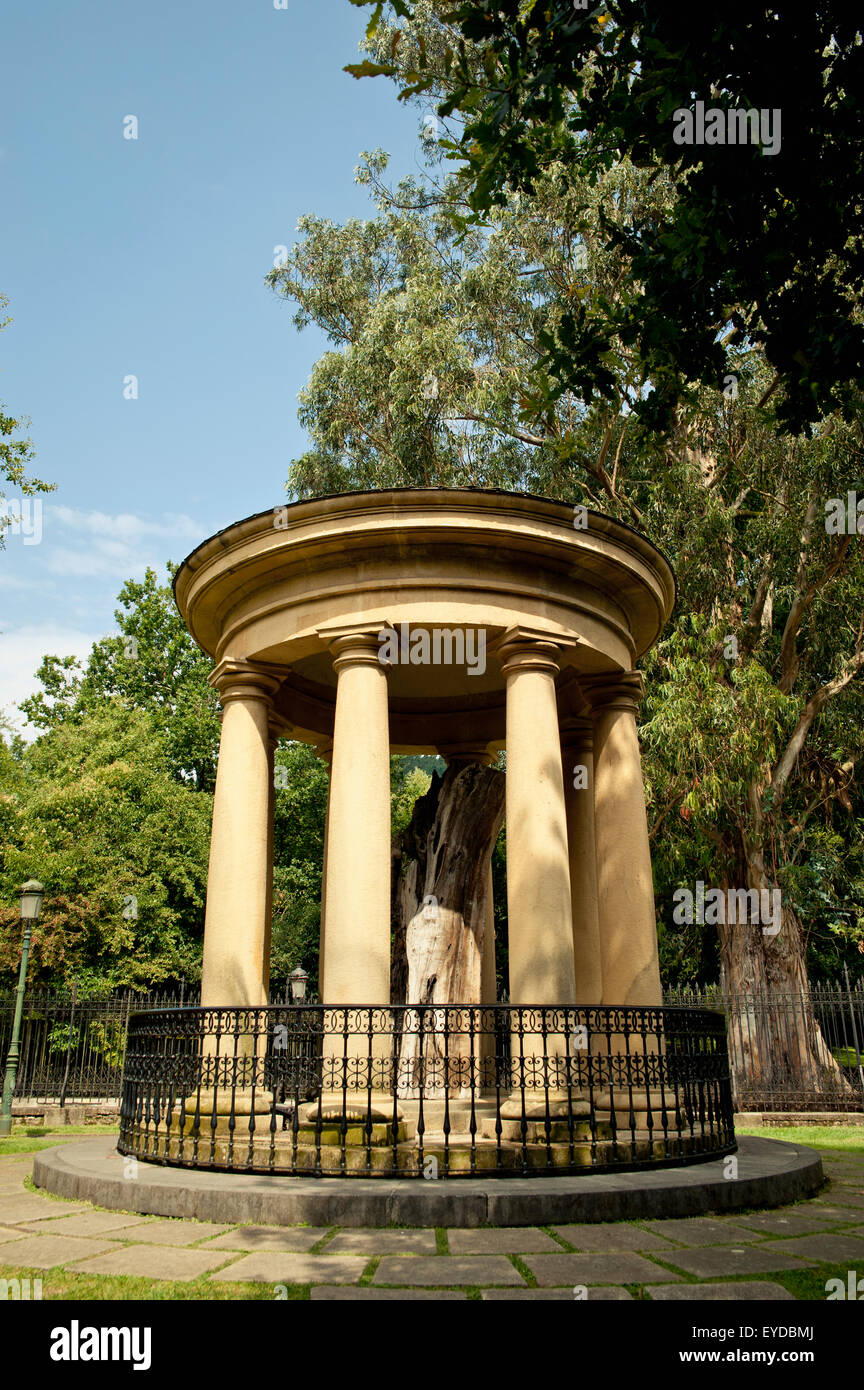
(72, 1045)
(791, 1049)
(426, 1091)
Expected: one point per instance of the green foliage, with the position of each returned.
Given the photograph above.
(737, 506)
(151, 664)
(120, 846)
(407, 784)
(767, 247)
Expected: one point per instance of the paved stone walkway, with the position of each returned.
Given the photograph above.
(701, 1258)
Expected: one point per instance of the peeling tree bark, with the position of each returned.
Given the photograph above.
(441, 882)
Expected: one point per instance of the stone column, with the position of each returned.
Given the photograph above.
(238, 898)
(628, 931)
(577, 752)
(540, 925)
(357, 885)
(235, 926)
(625, 889)
(356, 924)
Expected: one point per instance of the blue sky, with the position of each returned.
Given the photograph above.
(147, 257)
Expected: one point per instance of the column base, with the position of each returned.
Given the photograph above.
(534, 1106)
(229, 1112)
(245, 1102)
(335, 1107)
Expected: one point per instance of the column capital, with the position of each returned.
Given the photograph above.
(577, 731)
(354, 644)
(622, 690)
(244, 680)
(531, 649)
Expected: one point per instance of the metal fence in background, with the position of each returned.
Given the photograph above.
(791, 1049)
(72, 1045)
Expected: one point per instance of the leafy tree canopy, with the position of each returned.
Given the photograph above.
(150, 664)
(94, 810)
(751, 746)
(754, 248)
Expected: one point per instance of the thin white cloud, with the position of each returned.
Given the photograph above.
(123, 544)
(21, 652)
(124, 525)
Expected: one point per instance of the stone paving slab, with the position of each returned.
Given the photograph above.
(448, 1269)
(825, 1247)
(605, 1239)
(702, 1230)
(846, 1197)
(90, 1223)
(170, 1232)
(153, 1262)
(19, 1210)
(750, 1292)
(283, 1267)
(12, 1233)
(299, 1238)
(382, 1243)
(832, 1213)
(504, 1240)
(621, 1268)
(602, 1294)
(349, 1293)
(45, 1252)
(780, 1223)
(710, 1261)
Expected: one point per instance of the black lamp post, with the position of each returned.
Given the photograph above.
(31, 904)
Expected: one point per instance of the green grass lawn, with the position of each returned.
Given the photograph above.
(847, 1056)
(33, 1139)
(843, 1138)
(60, 1284)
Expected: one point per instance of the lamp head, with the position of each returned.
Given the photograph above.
(297, 980)
(32, 893)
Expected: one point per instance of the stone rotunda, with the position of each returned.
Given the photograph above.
(459, 623)
(291, 605)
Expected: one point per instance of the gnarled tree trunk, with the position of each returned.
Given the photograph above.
(441, 888)
(775, 1042)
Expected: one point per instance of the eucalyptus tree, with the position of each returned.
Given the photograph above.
(763, 240)
(435, 377)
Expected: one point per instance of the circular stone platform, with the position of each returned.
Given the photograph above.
(769, 1174)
